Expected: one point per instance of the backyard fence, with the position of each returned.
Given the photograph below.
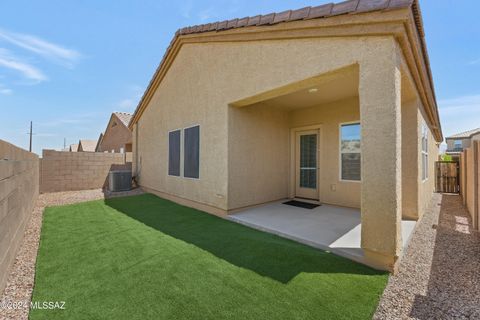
(469, 181)
(19, 171)
(447, 177)
(69, 171)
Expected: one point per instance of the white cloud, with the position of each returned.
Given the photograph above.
(186, 9)
(46, 49)
(72, 120)
(459, 114)
(129, 103)
(6, 91)
(7, 60)
(206, 14)
(126, 104)
(474, 62)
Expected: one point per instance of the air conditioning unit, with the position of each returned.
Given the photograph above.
(120, 180)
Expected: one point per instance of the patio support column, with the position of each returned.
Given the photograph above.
(381, 195)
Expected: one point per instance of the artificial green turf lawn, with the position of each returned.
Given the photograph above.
(144, 257)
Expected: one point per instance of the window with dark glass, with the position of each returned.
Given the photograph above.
(191, 159)
(174, 153)
(350, 152)
(308, 161)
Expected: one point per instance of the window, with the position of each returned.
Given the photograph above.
(174, 153)
(191, 154)
(350, 152)
(424, 152)
(308, 161)
(457, 144)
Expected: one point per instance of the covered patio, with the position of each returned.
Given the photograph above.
(327, 227)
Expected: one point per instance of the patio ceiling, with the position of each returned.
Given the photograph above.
(326, 88)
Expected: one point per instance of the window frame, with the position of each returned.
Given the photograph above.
(424, 152)
(340, 178)
(180, 164)
(182, 154)
(455, 143)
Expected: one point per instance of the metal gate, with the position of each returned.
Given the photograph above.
(447, 177)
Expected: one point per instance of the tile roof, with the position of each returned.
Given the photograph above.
(124, 117)
(466, 134)
(322, 11)
(88, 145)
(306, 13)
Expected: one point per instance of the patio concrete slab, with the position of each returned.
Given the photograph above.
(331, 228)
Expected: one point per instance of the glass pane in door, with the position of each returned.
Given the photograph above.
(308, 161)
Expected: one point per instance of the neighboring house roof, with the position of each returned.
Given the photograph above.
(87, 145)
(319, 12)
(466, 134)
(73, 147)
(124, 117)
(99, 141)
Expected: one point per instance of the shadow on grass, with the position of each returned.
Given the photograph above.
(266, 254)
(454, 274)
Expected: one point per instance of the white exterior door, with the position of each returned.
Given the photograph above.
(306, 164)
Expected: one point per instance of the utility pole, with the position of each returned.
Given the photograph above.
(64, 143)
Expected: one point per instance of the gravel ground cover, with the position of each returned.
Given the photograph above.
(20, 282)
(439, 276)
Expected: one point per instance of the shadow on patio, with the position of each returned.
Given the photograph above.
(263, 253)
(327, 227)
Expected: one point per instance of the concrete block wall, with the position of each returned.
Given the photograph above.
(19, 187)
(68, 171)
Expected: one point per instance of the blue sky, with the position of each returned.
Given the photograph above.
(67, 65)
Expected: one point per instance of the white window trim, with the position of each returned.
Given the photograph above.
(425, 167)
(340, 151)
(182, 152)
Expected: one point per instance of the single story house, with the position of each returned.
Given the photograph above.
(73, 147)
(117, 137)
(460, 141)
(99, 141)
(333, 103)
(87, 145)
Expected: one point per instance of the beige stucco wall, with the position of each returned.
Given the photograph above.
(332, 189)
(242, 149)
(115, 137)
(259, 155)
(260, 152)
(66, 171)
(426, 188)
(410, 164)
(471, 187)
(204, 79)
(19, 175)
